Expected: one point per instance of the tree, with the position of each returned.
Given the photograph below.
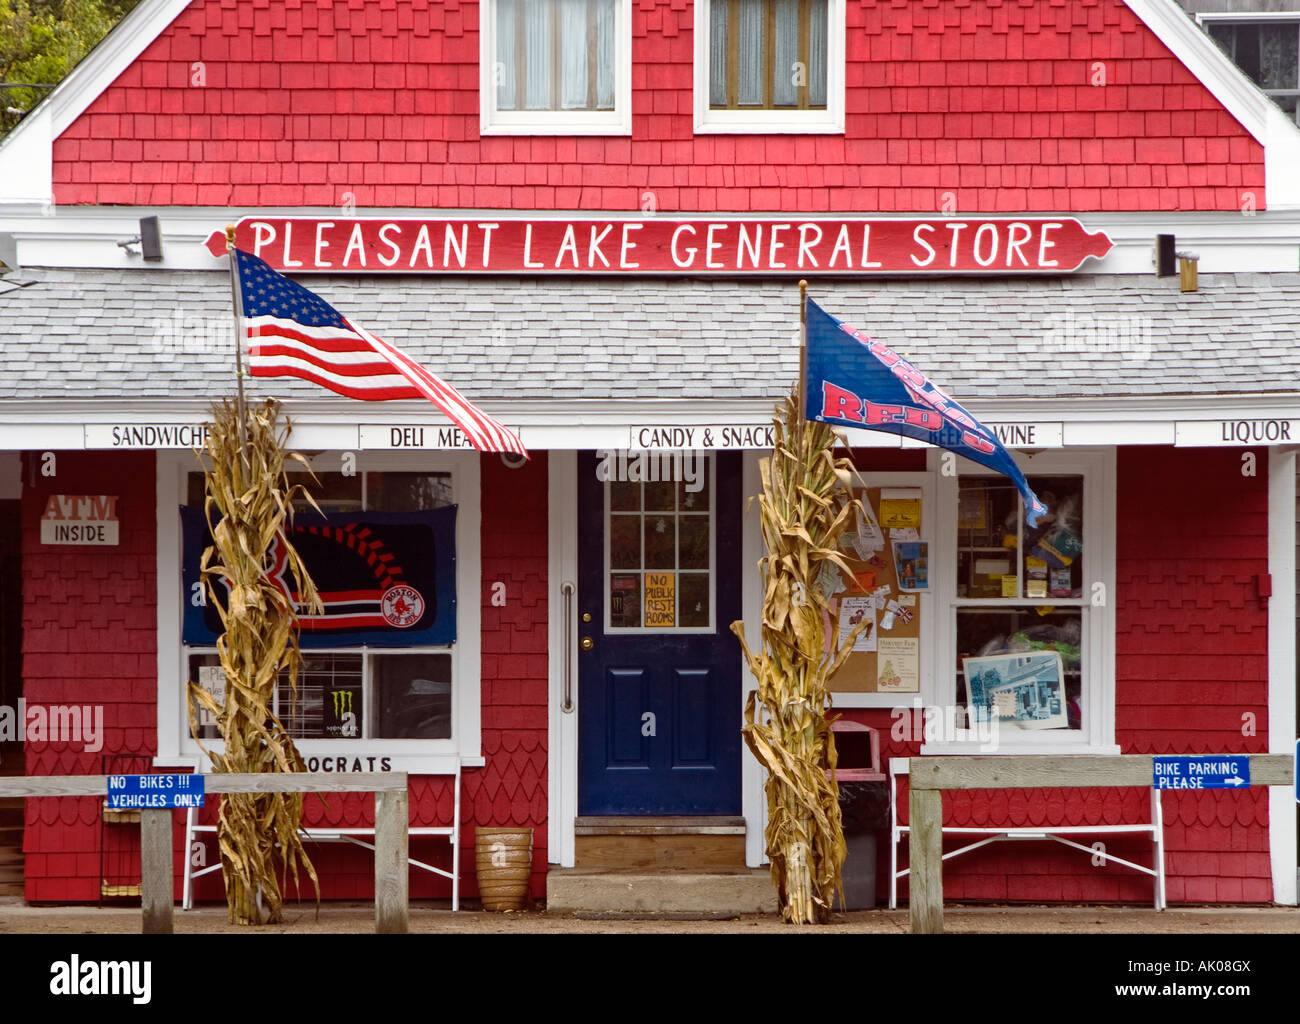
(41, 41)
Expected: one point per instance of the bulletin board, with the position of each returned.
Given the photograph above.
(895, 659)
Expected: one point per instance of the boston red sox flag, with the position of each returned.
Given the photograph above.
(854, 381)
(293, 332)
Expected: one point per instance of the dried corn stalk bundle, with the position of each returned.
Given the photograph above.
(806, 505)
(250, 499)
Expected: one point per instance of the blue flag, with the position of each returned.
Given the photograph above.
(856, 382)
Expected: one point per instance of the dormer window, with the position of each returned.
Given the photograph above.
(1266, 46)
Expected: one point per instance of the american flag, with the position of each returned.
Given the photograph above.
(293, 332)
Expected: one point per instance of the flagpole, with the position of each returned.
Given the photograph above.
(239, 334)
(803, 350)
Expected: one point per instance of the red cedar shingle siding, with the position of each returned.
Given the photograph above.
(990, 100)
(1191, 661)
(89, 636)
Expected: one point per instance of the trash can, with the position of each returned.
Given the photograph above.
(864, 809)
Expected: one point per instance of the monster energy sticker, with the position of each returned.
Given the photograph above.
(345, 721)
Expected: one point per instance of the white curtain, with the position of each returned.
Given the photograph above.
(717, 53)
(537, 54)
(548, 39)
(573, 54)
(504, 72)
(786, 44)
(817, 34)
(605, 54)
(751, 52)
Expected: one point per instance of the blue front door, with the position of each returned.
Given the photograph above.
(659, 669)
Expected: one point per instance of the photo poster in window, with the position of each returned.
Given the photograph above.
(387, 579)
(1020, 691)
(872, 587)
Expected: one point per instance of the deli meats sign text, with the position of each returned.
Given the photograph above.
(503, 245)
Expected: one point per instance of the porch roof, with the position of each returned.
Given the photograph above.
(122, 336)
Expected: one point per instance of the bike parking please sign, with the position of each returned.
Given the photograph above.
(1209, 771)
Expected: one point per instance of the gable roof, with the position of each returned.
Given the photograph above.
(25, 155)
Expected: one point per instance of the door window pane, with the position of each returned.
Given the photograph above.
(658, 525)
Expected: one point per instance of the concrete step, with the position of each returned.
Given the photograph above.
(701, 895)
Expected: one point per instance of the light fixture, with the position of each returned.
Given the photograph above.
(149, 239)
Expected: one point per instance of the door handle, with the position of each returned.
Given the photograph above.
(567, 589)
(588, 643)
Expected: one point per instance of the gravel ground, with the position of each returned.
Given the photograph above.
(16, 918)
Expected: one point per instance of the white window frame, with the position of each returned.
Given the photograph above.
(1097, 736)
(773, 122)
(175, 745)
(556, 122)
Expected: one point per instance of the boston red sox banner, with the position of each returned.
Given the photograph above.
(387, 579)
(854, 381)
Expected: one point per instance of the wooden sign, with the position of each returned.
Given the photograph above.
(488, 244)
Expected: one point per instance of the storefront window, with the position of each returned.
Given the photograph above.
(659, 563)
(347, 694)
(1020, 657)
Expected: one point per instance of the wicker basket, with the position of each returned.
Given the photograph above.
(504, 858)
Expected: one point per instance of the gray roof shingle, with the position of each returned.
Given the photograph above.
(130, 334)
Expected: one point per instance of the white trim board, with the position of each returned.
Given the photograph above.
(567, 426)
(34, 233)
(562, 568)
(1281, 666)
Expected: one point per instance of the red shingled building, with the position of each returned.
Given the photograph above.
(1119, 393)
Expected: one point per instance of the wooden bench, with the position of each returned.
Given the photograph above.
(356, 835)
(898, 767)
